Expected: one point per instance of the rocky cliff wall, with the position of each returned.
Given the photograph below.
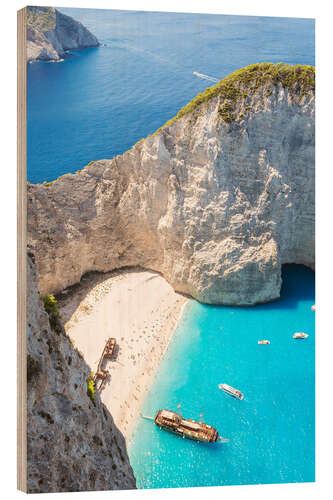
(73, 443)
(50, 33)
(217, 200)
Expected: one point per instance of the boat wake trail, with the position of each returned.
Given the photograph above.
(205, 77)
(224, 440)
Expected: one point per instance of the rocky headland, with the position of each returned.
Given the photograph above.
(72, 441)
(50, 34)
(216, 200)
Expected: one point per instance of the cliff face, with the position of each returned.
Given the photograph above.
(217, 200)
(73, 443)
(50, 33)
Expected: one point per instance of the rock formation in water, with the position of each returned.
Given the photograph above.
(217, 200)
(50, 34)
(73, 443)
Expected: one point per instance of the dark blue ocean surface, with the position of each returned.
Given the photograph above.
(99, 102)
(272, 430)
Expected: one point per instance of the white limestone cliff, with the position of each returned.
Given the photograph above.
(217, 200)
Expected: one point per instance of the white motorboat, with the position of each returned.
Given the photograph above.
(300, 335)
(230, 390)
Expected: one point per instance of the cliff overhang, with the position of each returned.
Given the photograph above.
(216, 200)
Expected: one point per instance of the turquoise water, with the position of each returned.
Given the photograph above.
(101, 101)
(271, 431)
(98, 103)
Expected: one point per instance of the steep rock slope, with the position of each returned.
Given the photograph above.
(50, 33)
(73, 443)
(217, 200)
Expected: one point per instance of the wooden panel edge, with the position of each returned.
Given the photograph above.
(21, 250)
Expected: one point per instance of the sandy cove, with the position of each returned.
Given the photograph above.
(141, 310)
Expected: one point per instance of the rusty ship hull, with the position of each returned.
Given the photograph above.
(186, 428)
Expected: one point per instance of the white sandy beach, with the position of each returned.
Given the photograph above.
(141, 310)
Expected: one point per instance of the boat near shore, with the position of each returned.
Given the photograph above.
(231, 390)
(185, 427)
(300, 335)
(313, 308)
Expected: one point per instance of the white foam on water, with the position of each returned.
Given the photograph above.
(205, 77)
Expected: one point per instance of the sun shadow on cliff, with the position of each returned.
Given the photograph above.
(71, 299)
(298, 284)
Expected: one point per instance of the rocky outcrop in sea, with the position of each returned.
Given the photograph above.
(216, 200)
(50, 34)
(72, 441)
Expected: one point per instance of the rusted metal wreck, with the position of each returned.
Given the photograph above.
(185, 427)
(101, 374)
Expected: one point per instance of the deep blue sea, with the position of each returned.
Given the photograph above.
(101, 101)
(272, 430)
(98, 103)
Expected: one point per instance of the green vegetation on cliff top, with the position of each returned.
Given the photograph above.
(241, 83)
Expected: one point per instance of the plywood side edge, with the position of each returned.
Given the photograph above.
(21, 250)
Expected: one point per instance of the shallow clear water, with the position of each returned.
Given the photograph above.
(101, 101)
(271, 431)
(98, 103)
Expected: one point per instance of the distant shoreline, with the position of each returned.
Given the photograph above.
(141, 310)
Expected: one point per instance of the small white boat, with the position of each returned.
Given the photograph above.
(263, 342)
(300, 335)
(313, 308)
(205, 77)
(230, 390)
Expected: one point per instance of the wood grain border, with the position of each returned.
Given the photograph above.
(21, 250)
